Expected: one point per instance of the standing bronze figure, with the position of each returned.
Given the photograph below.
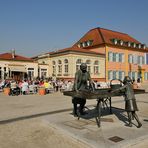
(130, 101)
(82, 77)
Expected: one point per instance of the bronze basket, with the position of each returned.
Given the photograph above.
(115, 86)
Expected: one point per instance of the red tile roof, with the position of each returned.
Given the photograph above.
(105, 36)
(75, 49)
(8, 56)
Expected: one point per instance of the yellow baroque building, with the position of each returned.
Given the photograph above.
(65, 62)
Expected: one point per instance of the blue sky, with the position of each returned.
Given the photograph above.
(33, 27)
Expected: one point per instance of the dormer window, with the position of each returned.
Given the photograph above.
(79, 45)
(84, 44)
(143, 46)
(134, 45)
(129, 44)
(89, 42)
(139, 46)
(121, 42)
(115, 41)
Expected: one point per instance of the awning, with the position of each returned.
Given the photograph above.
(17, 68)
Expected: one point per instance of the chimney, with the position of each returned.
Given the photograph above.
(13, 53)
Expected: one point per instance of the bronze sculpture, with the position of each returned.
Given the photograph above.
(82, 77)
(130, 101)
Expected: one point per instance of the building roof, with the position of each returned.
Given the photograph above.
(65, 50)
(100, 36)
(74, 49)
(9, 56)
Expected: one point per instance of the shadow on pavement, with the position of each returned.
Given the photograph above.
(32, 116)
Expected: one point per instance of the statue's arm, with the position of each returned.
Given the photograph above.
(91, 83)
(76, 82)
(119, 89)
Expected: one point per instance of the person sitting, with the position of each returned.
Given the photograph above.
(46, 85)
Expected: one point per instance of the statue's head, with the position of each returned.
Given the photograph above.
(83, 67)
(127, 79)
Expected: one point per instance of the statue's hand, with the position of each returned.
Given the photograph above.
(77, 91)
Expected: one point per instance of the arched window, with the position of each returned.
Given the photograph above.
(88, 62)
(66, 68)
(65, 61)
(96, 67)
(59, 67)
(53, 68)
(59, 62)
(53, 62)
(78, 63)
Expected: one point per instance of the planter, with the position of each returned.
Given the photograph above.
(41, 91)
(7, 91)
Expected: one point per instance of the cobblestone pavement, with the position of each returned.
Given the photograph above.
(34, 121)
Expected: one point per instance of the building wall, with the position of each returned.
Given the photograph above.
(132, 67)
(99, 50)
(72, 58)
(6, 64)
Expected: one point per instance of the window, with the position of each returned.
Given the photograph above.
(78, 63)
(141, 60)
(30, 73)
(59, 67)
(146, 76)
(0, 73)
(117, 57)
(130, 58)
(135, 59)
(120, 75)
(53, 68)
(114, 74)
(88, 62)
(96, 67)
(114, 57)
(123, 75)
(5, 74)
(146, 58)
(43, 73)
(110, 56)
(132, 75)
(59, 62)
(66, 66)
(110, 75)
(89, 43)
(121, 57)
